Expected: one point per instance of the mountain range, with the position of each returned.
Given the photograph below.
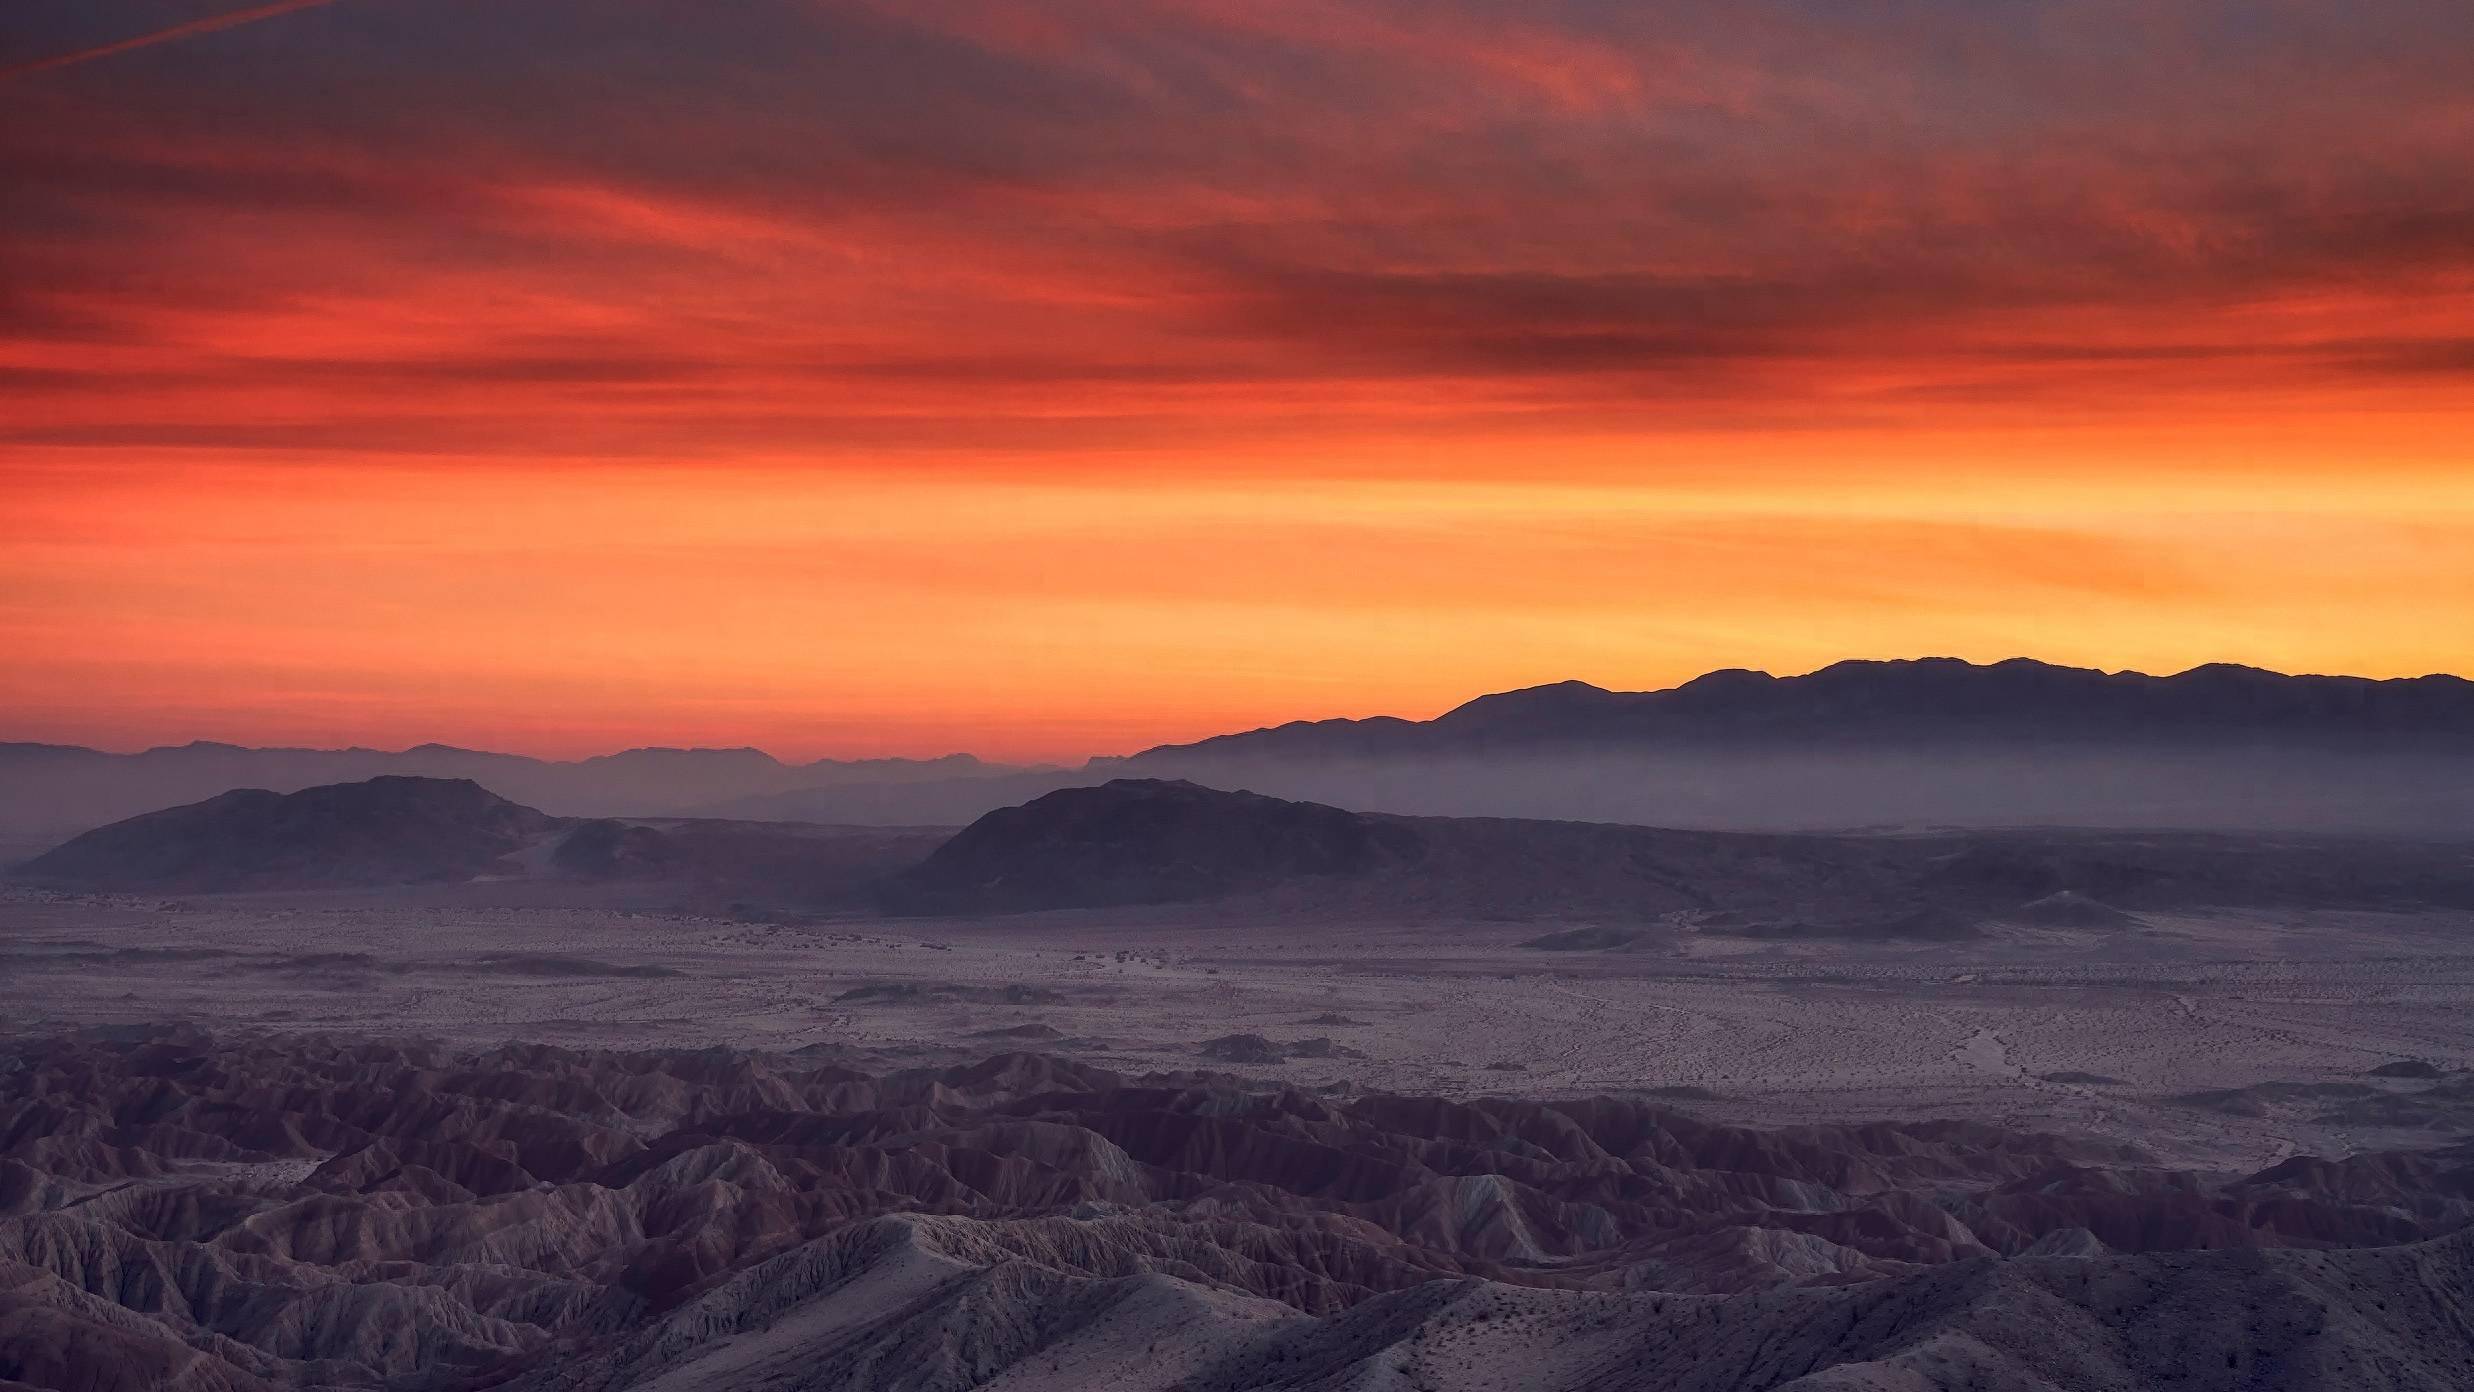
(1918, 744)
(1935, 702)
(1933, 741)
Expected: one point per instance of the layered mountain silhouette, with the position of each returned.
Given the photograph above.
(182, 1211)
(1931, 742)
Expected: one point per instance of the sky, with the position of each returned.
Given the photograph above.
(1049, 379)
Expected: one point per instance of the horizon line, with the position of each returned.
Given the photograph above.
(1087, 759)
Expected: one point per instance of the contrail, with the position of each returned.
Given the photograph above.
(207, 25)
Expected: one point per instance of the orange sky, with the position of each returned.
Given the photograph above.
(1052, 380)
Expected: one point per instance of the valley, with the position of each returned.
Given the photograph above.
(2105, 1032)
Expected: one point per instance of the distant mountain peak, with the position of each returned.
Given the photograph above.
(1551, 692)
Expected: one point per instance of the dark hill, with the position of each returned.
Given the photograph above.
(384, 831)
(401, 831)
(1145, 841)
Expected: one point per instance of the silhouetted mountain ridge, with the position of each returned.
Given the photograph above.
(1922, 701)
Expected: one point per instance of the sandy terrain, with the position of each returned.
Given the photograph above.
(2107, 1033)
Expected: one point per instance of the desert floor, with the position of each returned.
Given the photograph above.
(2121, 1033)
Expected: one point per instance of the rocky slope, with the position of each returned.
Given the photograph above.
(187, 1212)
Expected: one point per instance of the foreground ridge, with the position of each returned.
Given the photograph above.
(265, 1212)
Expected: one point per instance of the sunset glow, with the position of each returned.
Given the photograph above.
(1049, 380)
